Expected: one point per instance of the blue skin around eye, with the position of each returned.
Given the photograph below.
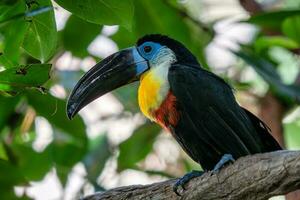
(140, 56)
(154, 50)
(140, 62)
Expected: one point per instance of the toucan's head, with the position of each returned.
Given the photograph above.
(126, 66)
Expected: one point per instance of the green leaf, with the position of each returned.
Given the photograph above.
(54, 110)
(148, 20)
(13, 38)
(291, 28)
(265, 42)
(128, 96)
(41, 38)
(8, 2)
(7, 192)
(70, 141)
(78, 41)
(13, 32)
(170, 23)
(66, 152)
(272, 19)
(96, 157)
(124, 38)
(31, 13)
(108, 12)
(291, 135)
(32, 164)
(137, 147)
(7, 107)
(268, 72)
(8, 11)
(3, 154)
(17, 78)
(10, 175)
(287, 64)
(6, 62)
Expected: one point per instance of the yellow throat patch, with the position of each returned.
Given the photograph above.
(152, 91)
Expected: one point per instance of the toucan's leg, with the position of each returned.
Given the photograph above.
(226, 158)
(186, 178)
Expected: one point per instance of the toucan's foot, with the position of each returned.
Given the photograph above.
(226, 158)
(186, 178)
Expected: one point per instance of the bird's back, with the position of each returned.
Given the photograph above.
(211, 122)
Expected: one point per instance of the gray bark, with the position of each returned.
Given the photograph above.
(255, 177)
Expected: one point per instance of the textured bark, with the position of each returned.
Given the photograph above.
(255, 177)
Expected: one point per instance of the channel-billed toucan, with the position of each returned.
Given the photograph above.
(195, 105)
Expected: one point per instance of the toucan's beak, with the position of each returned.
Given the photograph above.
(117, 70)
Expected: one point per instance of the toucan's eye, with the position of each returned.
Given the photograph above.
(147, 49)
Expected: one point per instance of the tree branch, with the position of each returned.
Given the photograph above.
(255, 177)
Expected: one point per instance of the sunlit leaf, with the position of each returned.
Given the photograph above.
(7, 62)
(137, 147)
(31, 13)
(287, 64)
(109, 12)
(3, 154)
(292, 135)
(17, 78)
(272, 19)
(291, 28)
(13, 33)
(265, 42)
(41, 37)
(8, 11)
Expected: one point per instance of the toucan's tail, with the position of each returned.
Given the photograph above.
(264, 132)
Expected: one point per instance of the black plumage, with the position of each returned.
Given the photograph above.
(211, 122)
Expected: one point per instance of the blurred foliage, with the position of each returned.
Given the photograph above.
(31, 45)
(130, 152)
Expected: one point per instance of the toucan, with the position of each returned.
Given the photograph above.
(196, 106)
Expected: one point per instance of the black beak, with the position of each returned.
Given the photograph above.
(119, 69)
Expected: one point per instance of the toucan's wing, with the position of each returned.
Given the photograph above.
(208, 109)
(264, 131)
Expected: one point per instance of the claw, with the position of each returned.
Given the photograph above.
(185, 179)
(226, 158)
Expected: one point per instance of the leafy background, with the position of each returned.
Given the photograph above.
(111, 143)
